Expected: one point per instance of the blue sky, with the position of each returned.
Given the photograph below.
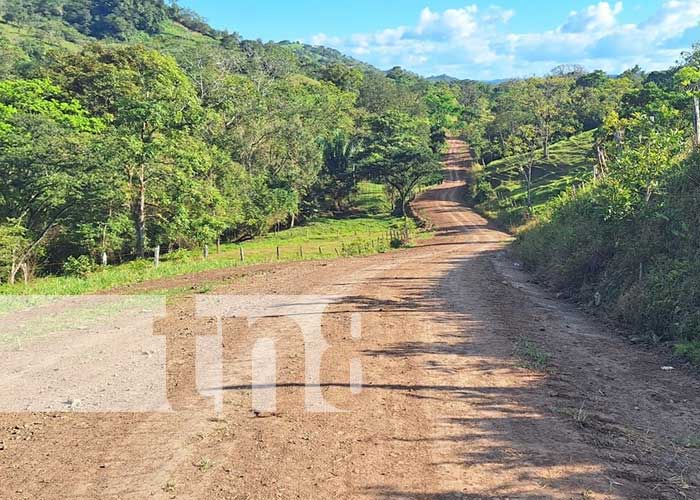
(478, 39)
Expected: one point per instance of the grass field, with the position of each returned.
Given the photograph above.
(570, 163)
(365, 233)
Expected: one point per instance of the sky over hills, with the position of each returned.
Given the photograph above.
(480, 40)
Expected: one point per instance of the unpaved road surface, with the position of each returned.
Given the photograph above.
(448, 407)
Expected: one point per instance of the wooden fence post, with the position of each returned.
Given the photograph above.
(218, 245)
(104, 259)
(242, 253)
(278, 252)
(206, 251)
(156, 256)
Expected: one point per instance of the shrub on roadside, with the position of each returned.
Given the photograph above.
(642, 257)
(78, 267)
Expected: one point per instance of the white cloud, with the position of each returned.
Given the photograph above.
(675, 17)
(476, 43)
(599, 17)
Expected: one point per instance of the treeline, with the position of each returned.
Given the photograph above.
(627, 241)
(118, 148)
(100, 19)
(525, 117)
(519, 115)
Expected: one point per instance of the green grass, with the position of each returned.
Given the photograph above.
(570, 163)
(174, 36)
(691, 442)
(322, 238)
(371, 199)
(531, 355)
(53, 34)
(690, 350)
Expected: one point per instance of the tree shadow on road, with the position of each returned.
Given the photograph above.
(510, 432)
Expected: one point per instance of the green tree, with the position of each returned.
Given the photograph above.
(151, 105)
(444, 109)
(397, 153)
(549, 103)
(689, 79)
(15, 246)
(343, 76)
(278, 132)
(525, 143)
(648, 151)
(338, 176)
(44, 144)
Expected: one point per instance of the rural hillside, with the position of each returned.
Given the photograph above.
(242, 269)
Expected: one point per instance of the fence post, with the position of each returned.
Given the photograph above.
(301, 251)
(156, 256)
(242, 253)
(278, 253)
(320, 251)
(218, 245)
(206, 251)
(104, 259)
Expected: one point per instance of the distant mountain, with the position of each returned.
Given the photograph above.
(451, 79)
(443, 79)
(311, 54)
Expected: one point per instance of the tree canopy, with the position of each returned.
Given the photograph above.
(116, 148)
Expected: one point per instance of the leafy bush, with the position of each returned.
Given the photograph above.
(690, 350)
(79, 267)
(484, 192)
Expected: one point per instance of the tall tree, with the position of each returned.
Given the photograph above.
(397, 153)
(150, 103)
(338, 176)
(525, 143)
(689, 79)
(44, 141)
(548, 100)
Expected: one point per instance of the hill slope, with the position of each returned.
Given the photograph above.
(28, 30)
(499, 189)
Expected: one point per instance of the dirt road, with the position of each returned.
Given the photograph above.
(447, 409)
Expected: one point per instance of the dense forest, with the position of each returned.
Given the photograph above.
(623, 236)
(109, 148)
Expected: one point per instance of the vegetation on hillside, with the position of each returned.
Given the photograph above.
(534, 138)
(188, 137)
(500, 189)
(610, 215)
